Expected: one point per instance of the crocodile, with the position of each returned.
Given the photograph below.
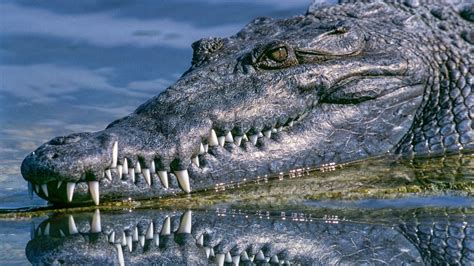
(341, 83)
(232, 237)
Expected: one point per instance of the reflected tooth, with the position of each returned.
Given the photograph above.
(70, 190)
(125, 166)
(166, 229)
(124, 239)
(259, 256)
(146, 174)
(129, 243)
(152, 167)
(228, 258)
(44, 187)
(108, 174)
(244, 256)
(61, 233)
(131, 172)
(96, 226)
(221, 140)
(138, 168)
(212, 138)
(274, 259)
(219, 259)
(149, 231)
(46, 230)
(201, 149)
(253, 139)
(267, 133)
(206, 148)
(229, 138)
(290, 124)
(185, 225)
(135, 234)
(94, 190)
(121, 261)
(112, 237)
(30, 190)
(238, 140)
(37, 189)
(156, 238)
(195, 161)
(236, 260)
(163, 178)
(60, 183)
(72, 225)
(120, 171)
(142, 240)
(183, 180)
(200, 240)
(114, 155)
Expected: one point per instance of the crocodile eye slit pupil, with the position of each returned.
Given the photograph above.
(279, 54)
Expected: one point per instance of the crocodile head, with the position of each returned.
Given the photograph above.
(335, 85)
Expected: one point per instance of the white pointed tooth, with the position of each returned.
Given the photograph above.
(96, 225)
(138, 168)
(211, 252)
(274, 130)
(131, 173)
(124, 239)
(141, 239)
(183, 180)
(267, 133)
(163, 178)
(279, 129)
(206, 148)
(60, 183)
(252, 257)
(156, 238)
(221, 140)
(212, 138)
(44, 188)
(37, 189)
(149, 231)
(153, 167)
(290, 124)
(112, 237)
(228, 258)
(166, 229)
(244, 137)
(200, 240)
(253, 139)
(195, 161)
(260, 134)
(72, 226)
(238, 140)
(129, 243)
(236, 260)
(259, 256)
(121, 261)
(120, 171)
(46, 230)
(135, 234)
(219, 259)
(244, 256)
(94, 190)
(229, 138)
(108, 174)
(201, 149)
(30, 190)
(114, 155)
(125, 166)
(274, 259)
(70, 190)
(208, 251)
(185, 225)
(147, 176)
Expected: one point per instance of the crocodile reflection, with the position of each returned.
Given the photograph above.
(234, 237)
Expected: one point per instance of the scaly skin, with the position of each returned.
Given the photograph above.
(339, 84)
(145, 237)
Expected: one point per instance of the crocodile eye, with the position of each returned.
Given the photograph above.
(279, 54)
(274, 55)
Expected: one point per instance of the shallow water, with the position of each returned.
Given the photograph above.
(76, 66)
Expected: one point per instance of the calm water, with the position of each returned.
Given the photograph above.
(78, 65)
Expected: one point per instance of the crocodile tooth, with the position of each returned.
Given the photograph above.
(131, 172)
(72, 226)
(96, 226)
(30, 190)
(135, 234)
(125, 166)
(129, 243)
(201, 149)
(212, 252)
(260, 134)
(185, 225)
(290, 124)
(219, 259)
(208, 251)
(279, 129)
(221, 140)
(267, 133)
(94, 190)
(138, 168)
(114, 155)
(183, 180)
(121, 260)
(112, 237)
(238, 140)
(236, 260)
(141, 239)
(228, 258)
(274, 130)
(70, 190)
(152, 167)
(229, 138)
(108, 174)
(44, 188)
(149, 231)
(244, 256)
(253, 139)
(146, 174)
(206, 148)
(166, 229)
(195, 161)
(163, 178)
(120, 171)
(259, 256)
(212, 138)
(244, 137)
(274, 259)
(46, 230)
(200, 240)
(59, 184)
